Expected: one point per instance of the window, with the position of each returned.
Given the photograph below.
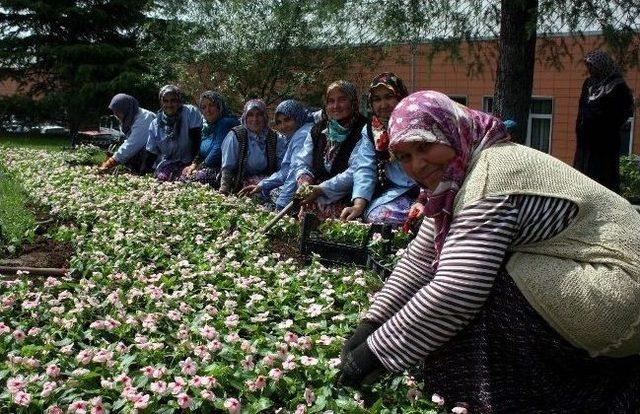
(461, 99)
(540, 121)
(539, 124)
(626, 137)
(487, 104)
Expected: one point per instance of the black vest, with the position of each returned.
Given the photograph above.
(341, 160)
(243, 141)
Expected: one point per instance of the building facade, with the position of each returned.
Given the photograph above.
(554, 106)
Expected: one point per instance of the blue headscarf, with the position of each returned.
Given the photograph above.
(293, 109)
(219, 101)
(128, 106)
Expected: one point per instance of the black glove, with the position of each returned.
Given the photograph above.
(362, 332)
(359, 364)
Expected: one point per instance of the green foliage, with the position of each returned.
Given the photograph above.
(16, 221)
(84, 155)
(269, 49)
(70, 57)
(630, 178)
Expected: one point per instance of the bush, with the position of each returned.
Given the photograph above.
(630, 178)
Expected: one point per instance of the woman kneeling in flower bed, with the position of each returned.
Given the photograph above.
(292, 121)
(387, 188)
(521, 292)
(218, 121)
(250, 151)
(328, 157)
(174, 135)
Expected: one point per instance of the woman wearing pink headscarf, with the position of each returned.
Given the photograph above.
(521, 292)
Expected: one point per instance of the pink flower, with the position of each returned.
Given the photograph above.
(325, 340)
(260, 382)
(184, 401)
(247, 363)
(33, 331)
(19, 335)
(309, 396)
(207, 395)
(214, 345)
(232, 405)
(158, 387)
(275, 373)
(22, 398)
(97, 406)
(459, 410)
(84, 356)
(188, 366)
(269, 359)
(304, 342)
(437, 400)
(232, 321)
(141, 401)
(78, 407)
(4, 329)
(53, 370)
(147, 371)
(16, 384)
(308, 361)
(301, 409)
(47, 388)
(54, 409)
(291, 338)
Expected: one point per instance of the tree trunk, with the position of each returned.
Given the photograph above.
(514, 78)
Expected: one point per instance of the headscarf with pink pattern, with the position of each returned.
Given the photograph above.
(429, 116)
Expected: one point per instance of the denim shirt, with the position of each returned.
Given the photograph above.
(256, 153)
(179, 149)
(285, 176)
(365, 176)
(138, 136)
(211, 145)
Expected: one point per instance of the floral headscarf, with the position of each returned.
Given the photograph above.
(128, 106)
(293, 109)
(606, 75)
(262, 107)
(379, 125)
(429, 116)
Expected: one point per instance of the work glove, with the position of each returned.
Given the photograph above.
(226, 181)
(359, 366)
(361, 333)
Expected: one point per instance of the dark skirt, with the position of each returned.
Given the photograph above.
(509, 360)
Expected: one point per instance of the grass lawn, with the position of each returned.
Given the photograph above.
(16, 221)
(50, 142)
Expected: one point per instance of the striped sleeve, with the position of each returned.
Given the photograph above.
(472, 256)
(412, 272)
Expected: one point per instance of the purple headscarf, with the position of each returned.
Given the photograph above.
(429, 116)
(293, 109)
(259, 105)
(128, 106)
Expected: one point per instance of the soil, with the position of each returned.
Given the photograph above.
(287, 249)
(43, 252)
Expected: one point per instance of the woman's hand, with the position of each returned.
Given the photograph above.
(309, 193)
(107, 165)
(416, 211)
(250, 190)
(355, 211)
(188, 170)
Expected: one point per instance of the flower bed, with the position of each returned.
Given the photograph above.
(176, 304)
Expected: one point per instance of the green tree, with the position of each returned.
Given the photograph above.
(525, 32)
(273, 49)
(70, 56)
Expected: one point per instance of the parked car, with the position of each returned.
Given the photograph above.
(53, 130)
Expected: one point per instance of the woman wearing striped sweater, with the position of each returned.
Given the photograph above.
(521, 292)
